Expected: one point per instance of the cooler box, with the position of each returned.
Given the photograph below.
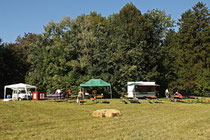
(37, 95)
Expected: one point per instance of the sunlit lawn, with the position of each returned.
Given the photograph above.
(62, 120)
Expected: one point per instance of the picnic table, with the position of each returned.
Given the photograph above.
(175, 98)
(53, 97)
(60, 97)
(193, 97)
(153, 99)
(94, 98)
(99, 97)
(185, 99)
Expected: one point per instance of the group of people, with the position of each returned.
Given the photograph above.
(62, 93)
(167, 94)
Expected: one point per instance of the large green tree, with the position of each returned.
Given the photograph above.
(52, 55)
(192, 55)
(92, 36)
(124, 46)
(13, 62)
(167, 66)
(136, 45)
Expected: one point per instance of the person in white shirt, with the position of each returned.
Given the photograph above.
(80, 96)
(58, 92)
(166, 93)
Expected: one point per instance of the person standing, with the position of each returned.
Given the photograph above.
(80, 96)
(167, 93)
(58, 93)
(64, 93)
(69, 93)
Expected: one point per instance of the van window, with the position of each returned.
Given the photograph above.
(22, 92)
(145, 89)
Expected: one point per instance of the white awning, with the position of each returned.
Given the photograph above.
(18, 86)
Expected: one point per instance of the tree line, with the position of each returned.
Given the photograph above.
(126, 46)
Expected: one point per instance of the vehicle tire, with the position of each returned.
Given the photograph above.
(19, 99)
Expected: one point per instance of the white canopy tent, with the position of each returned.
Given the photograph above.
(18, 87)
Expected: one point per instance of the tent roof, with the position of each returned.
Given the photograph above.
(95, 83)
(19, 86)
(144, 84)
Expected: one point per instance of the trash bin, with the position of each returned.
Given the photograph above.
(37, 95)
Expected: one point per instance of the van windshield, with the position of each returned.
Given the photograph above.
(22, 92)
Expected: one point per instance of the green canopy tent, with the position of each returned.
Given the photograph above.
(97, 83)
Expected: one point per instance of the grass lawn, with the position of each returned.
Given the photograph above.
(62, 120)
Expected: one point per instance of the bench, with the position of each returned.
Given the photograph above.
(148, 100)
(123, 100)
(81, 101)
(134, 100)
(153, 99)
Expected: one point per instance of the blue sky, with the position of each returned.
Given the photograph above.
(23, 16)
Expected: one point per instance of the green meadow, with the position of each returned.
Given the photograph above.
(64, 120)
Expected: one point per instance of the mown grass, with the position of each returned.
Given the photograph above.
(62, 120)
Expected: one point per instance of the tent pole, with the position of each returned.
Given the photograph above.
(18, 91)
(83, 90)
(26, 92)
(5, 92)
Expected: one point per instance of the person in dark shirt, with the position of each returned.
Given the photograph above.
(63, 92)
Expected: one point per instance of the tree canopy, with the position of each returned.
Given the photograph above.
(192, 51)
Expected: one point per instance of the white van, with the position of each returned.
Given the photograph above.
(21, 94)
